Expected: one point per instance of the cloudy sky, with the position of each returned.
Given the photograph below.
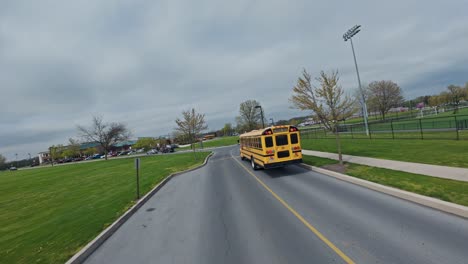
(143, 62)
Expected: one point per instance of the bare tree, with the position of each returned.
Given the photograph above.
(383, 95)
(2, 160)
(250, 117)
(327, 101)
(106, 134)
(191, 124)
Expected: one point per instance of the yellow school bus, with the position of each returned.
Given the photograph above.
(271, 147)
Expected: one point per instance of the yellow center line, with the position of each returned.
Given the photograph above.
(296, 214)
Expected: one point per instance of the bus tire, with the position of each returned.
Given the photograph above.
(253, 164)
(242, 157)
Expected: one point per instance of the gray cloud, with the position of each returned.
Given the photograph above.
(143, 62)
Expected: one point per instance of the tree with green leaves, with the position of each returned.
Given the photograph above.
(73, 148)
(456, 94)
(191, 125)
(146, 143)
(227, 129)
(56, 153)
(250, 116)
(327, 101)
(90, 151)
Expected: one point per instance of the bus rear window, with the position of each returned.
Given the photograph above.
(268, 142)
(281, 140)
(294, 139)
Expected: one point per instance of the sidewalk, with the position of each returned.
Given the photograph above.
(453, 173)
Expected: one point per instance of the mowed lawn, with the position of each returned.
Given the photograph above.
(439, 152)
(443, 189)
(216, 142)
(48, 214)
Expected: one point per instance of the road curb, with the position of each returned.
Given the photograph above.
(447, 207)
(87, 250)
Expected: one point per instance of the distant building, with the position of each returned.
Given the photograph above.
(44, 157)
(125, 145)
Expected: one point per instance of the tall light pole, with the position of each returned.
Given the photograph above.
(261, 112)
(30, 161)
(348, 35)
(16, 159)
(272, 122)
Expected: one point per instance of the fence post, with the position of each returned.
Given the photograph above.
(456, 127)
(391, 125)
(351, 127)
(420, 128)
(370, 133)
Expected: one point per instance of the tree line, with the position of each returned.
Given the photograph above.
(322, 95)
(451, 97)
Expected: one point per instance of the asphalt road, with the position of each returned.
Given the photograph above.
(227, 213)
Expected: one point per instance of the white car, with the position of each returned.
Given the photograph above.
(153, 151)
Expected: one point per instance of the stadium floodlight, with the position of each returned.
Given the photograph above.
(261, 112)
(348, 36)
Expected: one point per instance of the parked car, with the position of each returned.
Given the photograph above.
(13, 168)
(123, 153)
(167, 149)
(97, 156)
(152, 151)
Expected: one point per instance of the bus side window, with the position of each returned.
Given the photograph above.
(294, 139)
(268, 142)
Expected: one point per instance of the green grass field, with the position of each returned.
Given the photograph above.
(408, 115)
(438, 152)
(216, 142)
(48, 214)
(443, 189)
(428, 135)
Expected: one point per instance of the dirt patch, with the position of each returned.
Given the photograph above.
(335, 167)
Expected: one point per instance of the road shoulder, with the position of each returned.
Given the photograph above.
(451, 208)
(87, 250)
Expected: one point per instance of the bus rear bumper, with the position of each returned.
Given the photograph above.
(281, 164)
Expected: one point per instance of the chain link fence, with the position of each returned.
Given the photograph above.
(448, 128)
